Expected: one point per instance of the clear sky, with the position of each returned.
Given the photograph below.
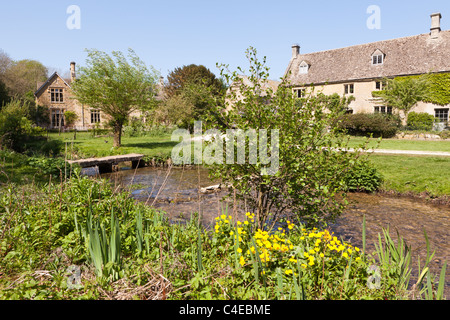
(170, 34)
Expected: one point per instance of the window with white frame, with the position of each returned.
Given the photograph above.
(299, 93)
(303, 69)
(441, 115)
(383, 109)
(378, 57)
(380, 85)
(349, 88)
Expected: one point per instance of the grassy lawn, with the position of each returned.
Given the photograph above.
(85, 145)
(402, 173)
(414, 173)
(396, 144)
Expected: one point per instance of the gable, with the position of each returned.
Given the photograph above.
(54, 80)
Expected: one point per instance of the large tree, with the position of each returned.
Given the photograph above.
(21, 78)
(403, 93)
(115, 85)
(303, 175)
(180, 77)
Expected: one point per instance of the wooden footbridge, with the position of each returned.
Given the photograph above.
(105, 164)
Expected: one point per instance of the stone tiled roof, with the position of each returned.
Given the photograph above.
(403, 56)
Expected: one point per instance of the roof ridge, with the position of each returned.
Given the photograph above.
(370, 43)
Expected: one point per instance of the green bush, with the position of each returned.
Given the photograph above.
(363, 177)
(15, 128)
(420, 121)
(364, 124)
(445, 134)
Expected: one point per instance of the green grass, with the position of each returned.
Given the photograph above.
(85, 145)
(402, 173)
(397, 144)
(415, 174)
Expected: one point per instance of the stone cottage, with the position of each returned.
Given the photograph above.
(358, 70)
(56, 94)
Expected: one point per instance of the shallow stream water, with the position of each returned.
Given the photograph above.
(176, 192)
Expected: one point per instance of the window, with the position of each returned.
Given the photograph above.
(349, 88)
(56, 95)
(299, 93)
(383, 109)
(441, 115)
(378, 59)
(380, 85)
(303, 69)
(57, 118)
(95, 116)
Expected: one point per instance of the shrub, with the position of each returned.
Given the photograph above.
(445, 134)
(363, 177)
(363, 124)
(420, 121)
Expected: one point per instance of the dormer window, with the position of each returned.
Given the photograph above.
(303, 69)
(377, 58)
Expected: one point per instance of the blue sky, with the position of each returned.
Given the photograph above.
(170, 34)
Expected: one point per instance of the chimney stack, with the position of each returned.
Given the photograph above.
(435, 25)
(295, 50)
(72, 72)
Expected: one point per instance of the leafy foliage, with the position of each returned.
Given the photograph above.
(404, 93)
(309, 174)
(364, 124)
(420, 121)
(116, 86)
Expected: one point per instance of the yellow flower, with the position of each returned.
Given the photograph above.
(239, 223)
(288, 271)
(231, 233)
(242, 260)
(305, 254)
(239, 250)
(304, 265)
(223, 217)
(246, 222)
(292, 259)
(345, 255)
(321, 255)
(356, 249)
(311, 251)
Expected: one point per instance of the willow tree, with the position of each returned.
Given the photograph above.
(115, 85)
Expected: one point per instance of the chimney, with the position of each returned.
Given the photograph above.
(435, 25)
(295, 50)
(72, 72)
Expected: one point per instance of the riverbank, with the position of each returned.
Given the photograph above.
(45, 252)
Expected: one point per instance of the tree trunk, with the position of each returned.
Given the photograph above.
(117, 134)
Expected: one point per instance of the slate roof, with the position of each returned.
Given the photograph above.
(403, 56)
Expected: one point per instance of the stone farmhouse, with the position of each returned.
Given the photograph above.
(56, 94)
(358, 70)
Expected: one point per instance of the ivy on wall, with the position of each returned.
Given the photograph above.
(438, 87)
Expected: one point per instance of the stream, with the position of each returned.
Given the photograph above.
(176, 193)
